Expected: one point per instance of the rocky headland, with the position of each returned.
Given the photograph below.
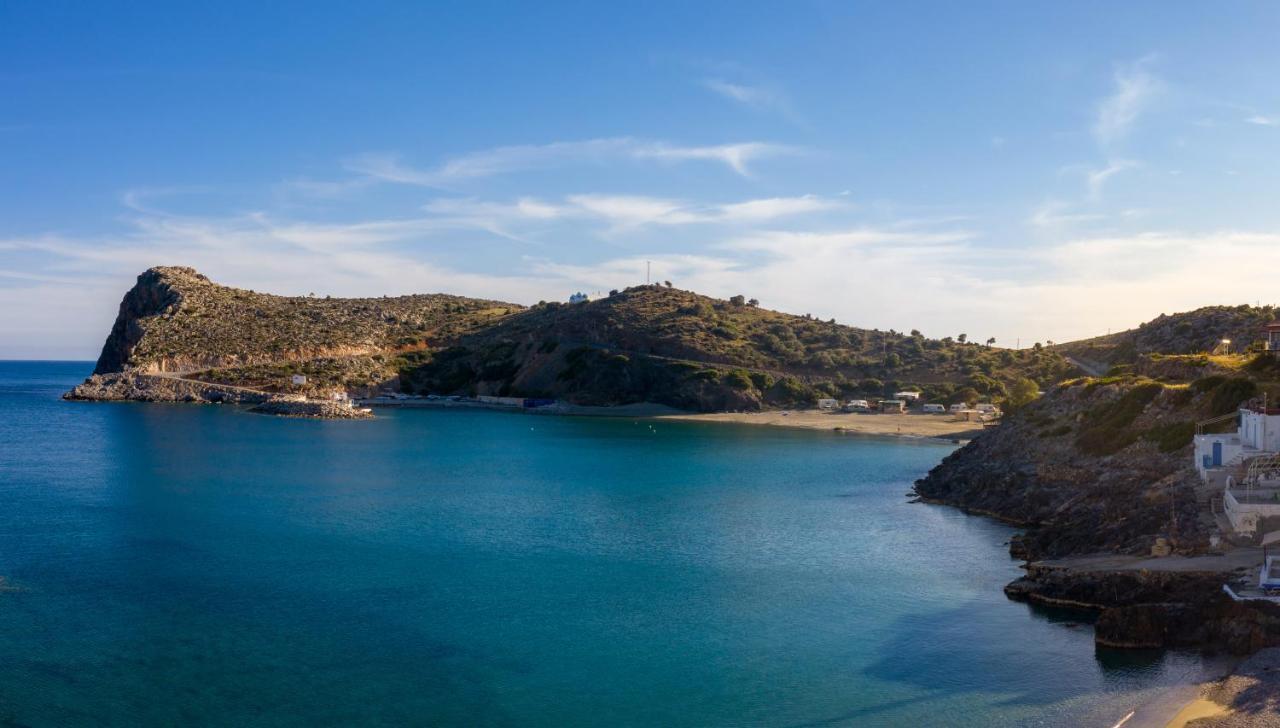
(1104, 466)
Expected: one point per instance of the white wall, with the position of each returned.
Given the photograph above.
(1261, 432)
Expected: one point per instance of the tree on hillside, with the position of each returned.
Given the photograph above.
(962, 338)
(1021, 393)
(753, 302)
(991, 341)
(965, 396)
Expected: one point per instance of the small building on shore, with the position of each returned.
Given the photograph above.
(895, 406)
(911, 396)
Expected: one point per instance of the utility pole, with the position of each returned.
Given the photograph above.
(646, 272)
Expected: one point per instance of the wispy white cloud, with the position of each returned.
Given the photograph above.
(511, 159)
(1073, 287)
(629, 211)
(1261, 120)
(1053, 214)
(1097, 178)
(1135, 88)
(750, 95)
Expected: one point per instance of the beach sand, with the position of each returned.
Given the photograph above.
(904, 425)
(1196, 709)
(1247, 698)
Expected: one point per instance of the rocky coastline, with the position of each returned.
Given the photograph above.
(1149, 608)
(311, 409)
(1117, 527)
(137, 387)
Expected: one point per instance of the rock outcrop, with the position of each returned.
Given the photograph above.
(311, 409)
(1149, 609)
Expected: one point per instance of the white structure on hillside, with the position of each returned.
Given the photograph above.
(912, 396)
(1245, 464)
(299, 379)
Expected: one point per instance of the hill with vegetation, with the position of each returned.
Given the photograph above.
(1192, 332)
(675, 347)
(645, 344)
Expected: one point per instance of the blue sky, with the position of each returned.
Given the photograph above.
(1027, 171)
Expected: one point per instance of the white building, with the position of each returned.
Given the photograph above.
(299, 379)
(1257, 434)
(1246, 465)
(911, 396)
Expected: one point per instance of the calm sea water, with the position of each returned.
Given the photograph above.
(177, 564)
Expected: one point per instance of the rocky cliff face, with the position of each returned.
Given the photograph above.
(155, 294)
(1090, 467)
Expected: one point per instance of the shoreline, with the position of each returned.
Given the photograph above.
(908, 425)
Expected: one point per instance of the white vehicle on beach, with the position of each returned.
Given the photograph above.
(857, 405)
(959, 407)
(934, 409)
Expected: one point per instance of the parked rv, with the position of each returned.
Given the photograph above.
(857, 405)
(959, 407)
(934, 409)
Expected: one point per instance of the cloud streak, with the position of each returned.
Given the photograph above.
(512, 159)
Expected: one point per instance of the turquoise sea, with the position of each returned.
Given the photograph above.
(183, 564)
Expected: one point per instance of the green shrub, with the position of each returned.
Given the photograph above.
(1171, 437)
(1106, 426)
(1228, 395)
(738, 379)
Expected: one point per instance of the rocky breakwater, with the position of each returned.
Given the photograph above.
(1173, 604)
(311, 408)
(134, 387)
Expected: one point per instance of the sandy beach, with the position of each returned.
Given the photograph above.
(904, 425)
